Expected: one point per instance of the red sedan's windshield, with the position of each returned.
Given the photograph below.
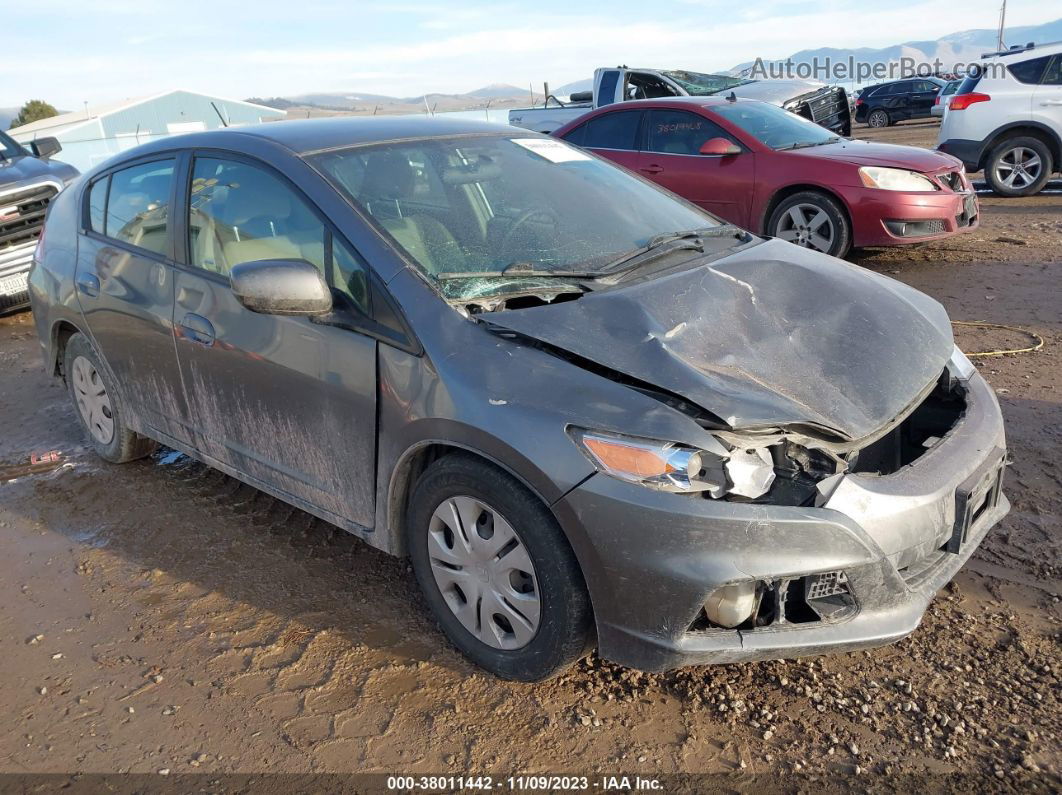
(773, 126)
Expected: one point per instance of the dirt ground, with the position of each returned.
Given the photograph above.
(159, 616)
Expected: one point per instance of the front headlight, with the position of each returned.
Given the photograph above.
(895, 179)
(678, 468)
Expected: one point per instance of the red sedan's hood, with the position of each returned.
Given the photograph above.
(868, 153)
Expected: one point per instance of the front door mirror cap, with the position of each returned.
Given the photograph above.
(720, 147)
(281, 287)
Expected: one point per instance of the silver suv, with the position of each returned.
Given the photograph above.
(1006, 118)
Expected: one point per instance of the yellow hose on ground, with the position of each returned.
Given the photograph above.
(1032, 334)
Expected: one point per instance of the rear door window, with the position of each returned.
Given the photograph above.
(679, 132)
(138, 206)
(1030, 71)
(613, 131)
(1053, 75)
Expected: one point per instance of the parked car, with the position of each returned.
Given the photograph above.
(587, 410)
(822, 104)
(1007, 120)
(897, 100)
(941, 102)
(29, 179)
(775, 173)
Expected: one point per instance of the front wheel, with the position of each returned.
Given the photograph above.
(812, 220)
(497, 571)
(1019, 167)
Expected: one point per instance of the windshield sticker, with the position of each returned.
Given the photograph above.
(553, 151)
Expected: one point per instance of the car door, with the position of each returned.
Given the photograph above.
(124, 280)
(613, 135)
(1047, 99)
(922, 97)
(289, 402)
(723, 185)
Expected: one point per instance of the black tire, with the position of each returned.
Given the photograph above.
(566, 619)
(878, 118)
(841, 238)
(124, 445)
(997, 161)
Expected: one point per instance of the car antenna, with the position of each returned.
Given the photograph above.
(732, 97)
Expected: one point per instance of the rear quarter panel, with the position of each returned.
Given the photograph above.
(51, 278)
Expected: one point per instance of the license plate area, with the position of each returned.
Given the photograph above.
(974, 497)
(14, 285)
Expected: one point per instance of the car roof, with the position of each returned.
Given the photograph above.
(310, 135)
(681, 102)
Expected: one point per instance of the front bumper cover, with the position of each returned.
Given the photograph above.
(650, 559)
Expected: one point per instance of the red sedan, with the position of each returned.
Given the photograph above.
(775, 173)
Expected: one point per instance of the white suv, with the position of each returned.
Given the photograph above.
(1006, 118)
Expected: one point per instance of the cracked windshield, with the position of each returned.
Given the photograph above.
(479, 215)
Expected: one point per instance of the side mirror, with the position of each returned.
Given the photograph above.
(46, 147)
(281, 287)
(719, 147)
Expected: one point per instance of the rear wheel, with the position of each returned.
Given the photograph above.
(497, 571)
(878, 118)
(99, 406)
(812, 220)
(1019, 166)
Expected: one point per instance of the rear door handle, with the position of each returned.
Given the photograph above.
(197, 329)
(1052, 102)
(652, 168)
(88, 284)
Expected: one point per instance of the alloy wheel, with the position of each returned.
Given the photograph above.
(807, 225)
(878, 119)
(92, 400)
(484, 572)
(1018, 168)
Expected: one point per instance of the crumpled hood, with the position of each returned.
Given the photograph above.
(776, 92)
(18, 171)
(866, 153)
(773, 335)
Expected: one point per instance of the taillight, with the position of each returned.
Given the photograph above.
(937, 101)
(859, 102)
(963, 101)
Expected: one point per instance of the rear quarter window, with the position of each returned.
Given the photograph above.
(1031, 71)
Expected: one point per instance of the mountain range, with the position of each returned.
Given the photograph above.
(961, 47)
(496, 95)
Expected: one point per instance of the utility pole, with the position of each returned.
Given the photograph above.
(1000, 45)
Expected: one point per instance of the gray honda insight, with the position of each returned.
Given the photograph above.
(589, 412)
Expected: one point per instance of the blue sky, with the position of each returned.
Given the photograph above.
(72, 51)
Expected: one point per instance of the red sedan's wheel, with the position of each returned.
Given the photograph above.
(812, 220)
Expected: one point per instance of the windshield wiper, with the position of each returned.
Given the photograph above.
(808, 144)
(518, 269)
(658, 246)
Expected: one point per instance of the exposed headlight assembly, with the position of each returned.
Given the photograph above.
(677, 468)
(895, 179)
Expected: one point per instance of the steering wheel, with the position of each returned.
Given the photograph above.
(523, 219)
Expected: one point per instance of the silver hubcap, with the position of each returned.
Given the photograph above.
(807, 225)
(92, 400)
(1018, 167)
(484, 573)
(878, 119)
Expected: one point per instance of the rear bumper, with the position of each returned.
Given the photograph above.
(893, 218)
(651, 559)
(969, 152)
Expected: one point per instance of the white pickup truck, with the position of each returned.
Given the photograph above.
(823, 104)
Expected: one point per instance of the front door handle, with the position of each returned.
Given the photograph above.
(1052, 102)
(652, 168)
(197, 328)
(88, 284)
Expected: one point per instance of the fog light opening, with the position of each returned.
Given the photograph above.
(733, 605)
